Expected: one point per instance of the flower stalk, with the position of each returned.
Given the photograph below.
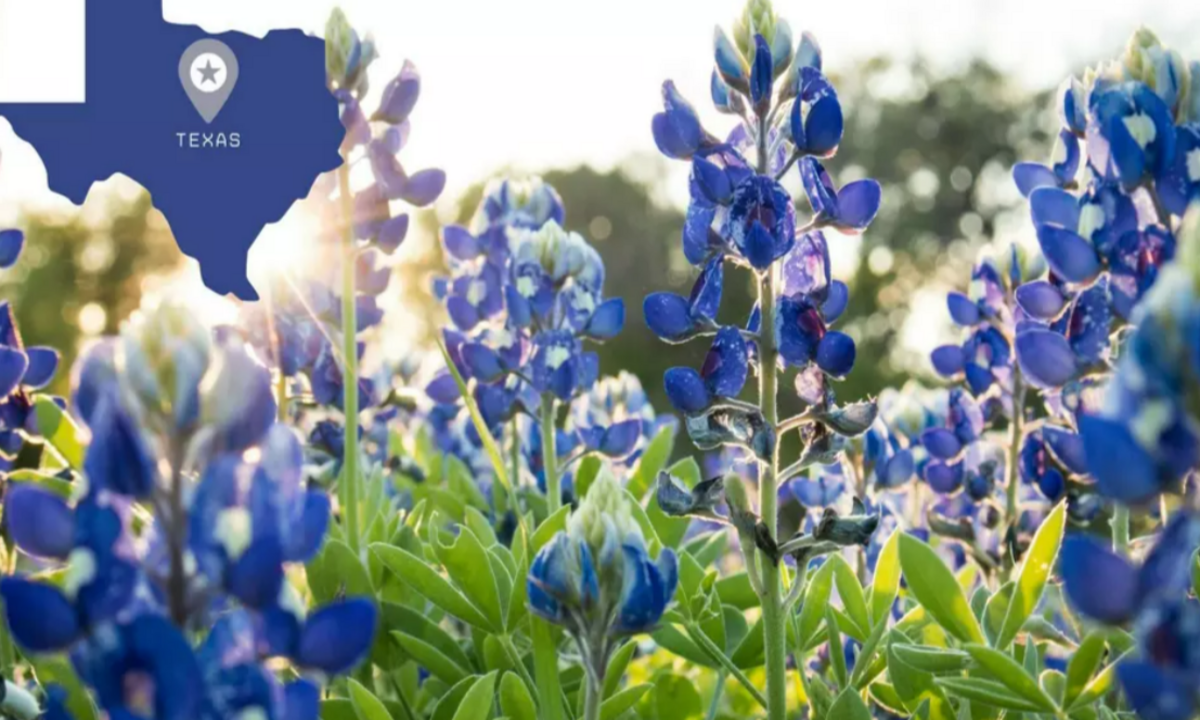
(349, 494)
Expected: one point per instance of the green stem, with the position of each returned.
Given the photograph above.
(349, 360)
(697, 635)
(281, 396)
(550, 454)
(718, 690)
(593, 697)
(1012, 507)
(774, 633)
(1120, 528)
(545, 651)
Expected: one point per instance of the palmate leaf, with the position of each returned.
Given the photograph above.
(936, 588)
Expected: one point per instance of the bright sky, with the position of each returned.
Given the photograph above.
(531, 84)
(536, 83)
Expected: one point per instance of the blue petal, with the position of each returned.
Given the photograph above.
(1099, 583)
(686, 390)
(1041, 300)
(944, 478)
(1123, 469)
(423, 187)
(729, 60)
(337, 637)
(391, 233)
(1068, 254)
(824, 126)
(301, 701)
(256, 577)
(1031, 176)
(1046, 358)
(836, 302)
(607, 320)
(759, 246)
(94, 373)
(835, 353)
(483, 362)
(11, 244)
(443, 389)
(118, 458)
(963, 309)
(399, 96)
(668, 315)
(857, 204)
(1067, 447)
(40, 522)
(761, 72)
(1166, 573)
(460, 243)
(948, 360)
(712, 180)
(705, 299)
(43, 363)
(898, 469)
(304, 539)
(941, 443)
(726, 365)
(40, 617)
(643, 598)
(621, 439)
(1156, 693)
(161, 650)
(13, 364)
(1054, 206)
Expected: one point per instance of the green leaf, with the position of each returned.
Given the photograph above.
(1100, 685)
(936, 588)
(515, 701)
(988, 692)
(468, 565)
(1083, 664)
(413, 571)
(816, 597)
(676, 698)
(1035, 570)
(849, 705)
(916, 688)
(366, 705)
(737, 591)
(616, 668)
(864, 664)
(653, 459)
(431, 658)
(477, 703)
(550, 527)
(1008, 671)
(932, 659)
(489, 442)
(619, 703)
(886, 583)
(449, 702)
(59, 430)
(53, 670)
(850, 591)
(46, 481)
(835, 644)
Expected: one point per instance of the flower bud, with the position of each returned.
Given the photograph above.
(757, 18)
(164, 353)
(238, 404)
(736, 497)
(1147, 60)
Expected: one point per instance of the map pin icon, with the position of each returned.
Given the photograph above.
(208, 71)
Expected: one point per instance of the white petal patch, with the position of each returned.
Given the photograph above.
(1091, 219)
(233, 531)
(81, 570)
(1141, 127)
(1193, 165)
(556, 356)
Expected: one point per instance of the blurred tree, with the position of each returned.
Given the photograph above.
(942, 146)
(78, 277)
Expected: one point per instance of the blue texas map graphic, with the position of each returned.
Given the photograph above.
(138, 120)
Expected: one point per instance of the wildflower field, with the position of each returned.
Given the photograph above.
(250, 520)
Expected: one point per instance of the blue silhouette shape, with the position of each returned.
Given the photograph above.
(216, 199)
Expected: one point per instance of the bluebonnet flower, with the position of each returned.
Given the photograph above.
(887, 453)
(22, 369)
(947, 445)
(596, 578)
(1159, 677)
(614, 418)
(1143, 441)
(167, 402)
(985, 358)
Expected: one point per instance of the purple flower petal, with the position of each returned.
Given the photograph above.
(963, 309)
(1068, 254)
(686, 390)
(1031, 176)
(1123, 469)
(948, 360)
(857, 204)
(40, 522)
(1041, 300)
(1050, 205)
(835, 353)
(1099, 583)
(11, 244)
